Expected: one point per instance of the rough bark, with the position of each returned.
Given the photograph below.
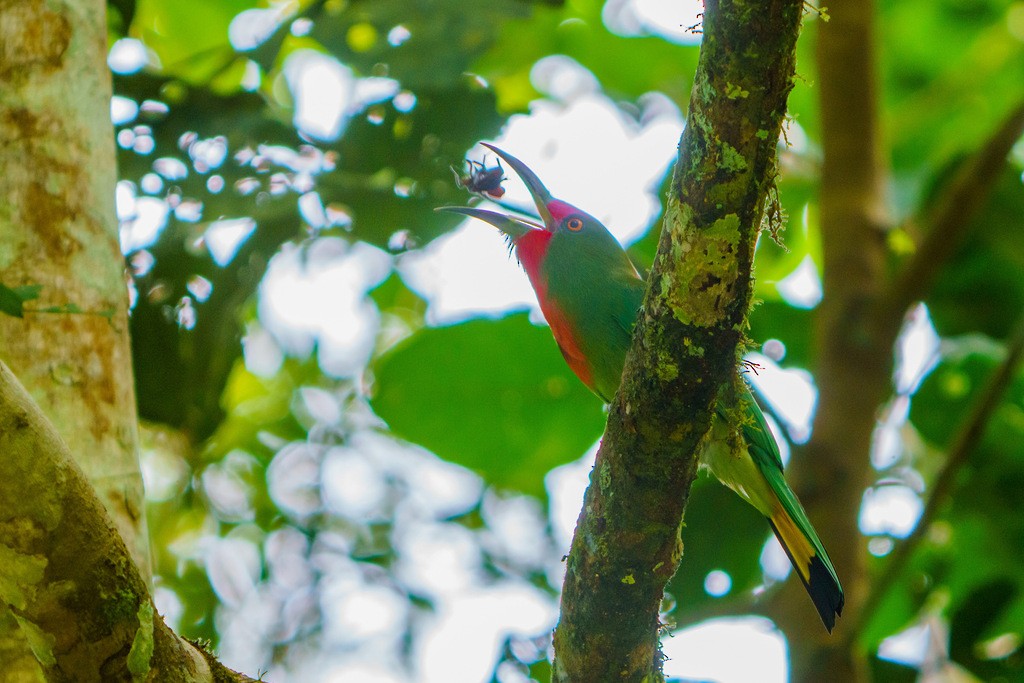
(69, 581)
(58, 230)
(685, 347)
(74, 599)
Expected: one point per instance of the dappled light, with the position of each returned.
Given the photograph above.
(275, 206)
(335, 545)
(364, 456)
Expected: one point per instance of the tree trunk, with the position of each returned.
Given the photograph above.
(74, 595)
(684, 351)
(58, 230)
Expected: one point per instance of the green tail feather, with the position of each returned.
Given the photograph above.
(818, 575)
(816, 572)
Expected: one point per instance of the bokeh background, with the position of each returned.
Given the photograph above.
(364, 456)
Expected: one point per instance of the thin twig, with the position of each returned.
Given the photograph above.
(742, 604)
(948, 219)
(966, 439)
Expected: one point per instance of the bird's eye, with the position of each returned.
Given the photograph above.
(574, 224)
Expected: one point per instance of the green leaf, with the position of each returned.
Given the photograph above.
(439, 42)
(945, 397)
(898, 609)
(492, 395)
(944, 95)
(891, 672)
(974, 618)
(255, 405)
(707, 546)
(395, 164)
(987, 268)
(801, 236)
(394, 298)
(970, 560)
(626, 67)
(189, 37)
(540, 670)
(12, 300)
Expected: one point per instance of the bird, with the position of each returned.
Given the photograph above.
(590, 294)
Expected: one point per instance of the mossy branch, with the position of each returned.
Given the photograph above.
(685, 347)
(68, 578)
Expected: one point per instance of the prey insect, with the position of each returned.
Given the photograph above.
(482, 180)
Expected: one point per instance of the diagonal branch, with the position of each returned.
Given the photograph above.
(739, 605)
(68, 578)
(947, 220)
(966, 439)
(684, 350)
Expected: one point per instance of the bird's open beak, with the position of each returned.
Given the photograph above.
(540, 194)
(513, 227)
(510, 225)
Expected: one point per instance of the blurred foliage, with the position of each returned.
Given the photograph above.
(243, 463)
(706, 549)
(987, 268)
(529, 413)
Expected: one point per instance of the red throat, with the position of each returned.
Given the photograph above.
(531, 249)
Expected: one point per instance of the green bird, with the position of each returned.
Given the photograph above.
(590, 293)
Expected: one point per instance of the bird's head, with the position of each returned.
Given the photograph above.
(558, 217)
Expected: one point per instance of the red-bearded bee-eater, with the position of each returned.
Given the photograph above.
(590, 294)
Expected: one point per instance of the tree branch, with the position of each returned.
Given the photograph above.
(684, 351)
(966, 439)
(68, 577)
(739, 605)
(948, 218)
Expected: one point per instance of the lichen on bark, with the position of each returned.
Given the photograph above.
(627, 542)
(699, 273)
